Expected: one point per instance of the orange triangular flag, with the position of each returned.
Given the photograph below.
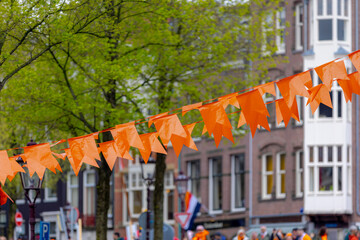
(254, 109)
(151, 144)
(283, 112)
(319, 94)
(355, 59)
(75, 166)
(295, 85)
(126, 136)
(230, 99)
(109, 151)
(242, 120)
(39, 158)
(346, 86)
(267, 88)
(83, 150)
(330, 71)
(8, 167)
(187, 108)
(4, 197)
(168, 126)
(355, 82)
(216, 121)
(153, 118)
(178, 142)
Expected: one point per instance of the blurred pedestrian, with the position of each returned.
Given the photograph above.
(117, 236)
(323, 233)
(201, 233)
(2, 238)
(254, 236)
(352, 235)
(263, 235)
(276, 235)
(294, 234)
(303, 235)
(241, 235)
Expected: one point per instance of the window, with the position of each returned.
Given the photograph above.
(299, 27)
(311, 180)
(299, 173)
(333, 17)
(169, 208)
(50, 191)
(215, 184)
(271, 109)
(193, 169)
(339, 104)
(267, 176)
(339, 183)
(311, 154)
(238, 181)
(73, 190)
(339, 153)
(89, 192)
(280, 176)
(300, 104)
(325, 111)
(280, 36)
(321, 154)
(326, 179)
(330, 153)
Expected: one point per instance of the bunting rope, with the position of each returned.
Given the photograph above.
(253, 112)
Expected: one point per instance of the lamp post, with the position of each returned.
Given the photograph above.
(30, 184)
(181, 185)
(148, 176)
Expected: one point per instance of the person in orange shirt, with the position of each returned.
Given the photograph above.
(201, 233)
(302, 235)
(323, 233)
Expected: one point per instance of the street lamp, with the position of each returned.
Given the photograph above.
(148, 176)
(30, 184)
(181, 185)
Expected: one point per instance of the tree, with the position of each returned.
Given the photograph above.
(115, 61)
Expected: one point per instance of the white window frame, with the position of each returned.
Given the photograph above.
(281, 46)
(70, 187)
(298, 27)
(264, 174)
(211, 184)
(280, 172)
(167, 188)
(298, 172)
(47, 190)
(301, 110)
(233, 182)
(86, 185)
(188, 167)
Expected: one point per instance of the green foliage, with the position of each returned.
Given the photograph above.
(95, 64)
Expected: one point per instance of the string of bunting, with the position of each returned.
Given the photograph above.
(253, 112)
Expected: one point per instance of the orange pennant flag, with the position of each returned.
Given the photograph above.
(319, 94)
(40, 154)
(355, 59)
(168, 126)
(355, 82)
(126, 136)
(178, 142)
(216, 121)
(4, 197)
(242, 120)
(230, 99)
(254, 109)
(8, 167)
(267, 88)
(83, 150)
(109, 151)
(330, 71)
(187, 108)
(151, 144)
(75, 166)
(158, 116)
(295, 85)
(283, 112)
(346, 86)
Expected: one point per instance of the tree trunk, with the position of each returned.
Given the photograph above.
(103, 199)
(159, 196)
